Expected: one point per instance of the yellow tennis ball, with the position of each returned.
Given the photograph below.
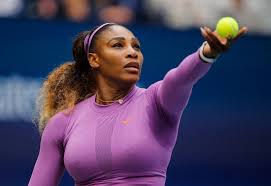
(227, 27)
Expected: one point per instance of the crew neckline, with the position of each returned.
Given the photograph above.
(116, 104)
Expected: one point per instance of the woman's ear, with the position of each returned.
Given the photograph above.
(93, 60)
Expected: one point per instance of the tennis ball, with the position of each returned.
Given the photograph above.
(227, 27)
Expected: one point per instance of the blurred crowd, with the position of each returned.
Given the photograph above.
(179, 14)
(119, 11)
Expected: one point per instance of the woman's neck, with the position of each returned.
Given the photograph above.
(107, 95)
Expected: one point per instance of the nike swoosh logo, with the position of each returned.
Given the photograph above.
(125, 122)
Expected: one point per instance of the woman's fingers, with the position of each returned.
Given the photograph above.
(209, 40)
(221, 42)
(241, 32)
(217, 42)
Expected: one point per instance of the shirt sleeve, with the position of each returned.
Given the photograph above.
(171, 95)
(49, 166)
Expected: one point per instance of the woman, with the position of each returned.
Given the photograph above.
(101, 127)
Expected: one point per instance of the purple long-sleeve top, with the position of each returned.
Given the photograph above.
(124, 143)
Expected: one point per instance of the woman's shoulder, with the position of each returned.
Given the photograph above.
(55, 127)
(59, 120)
(62, 118)
(58, 125)
(151, 88)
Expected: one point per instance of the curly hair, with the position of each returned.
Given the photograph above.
(67, 84)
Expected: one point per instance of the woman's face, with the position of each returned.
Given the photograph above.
(119, 56)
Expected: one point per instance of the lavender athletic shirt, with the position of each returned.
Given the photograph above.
(119, 144)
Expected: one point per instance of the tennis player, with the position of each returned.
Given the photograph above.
(102, 128)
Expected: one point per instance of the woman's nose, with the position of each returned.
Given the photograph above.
(132, 53)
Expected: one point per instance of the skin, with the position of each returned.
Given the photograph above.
(216, 44)
(118, 46)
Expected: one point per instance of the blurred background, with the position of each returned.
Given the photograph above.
(225, 133)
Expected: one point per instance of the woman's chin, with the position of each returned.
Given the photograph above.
(131, 79)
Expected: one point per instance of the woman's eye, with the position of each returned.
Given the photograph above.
(137, 46)
(117, 45)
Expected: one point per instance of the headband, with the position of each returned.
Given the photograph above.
(88, 38)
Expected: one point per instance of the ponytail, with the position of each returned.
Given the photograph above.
(63, 88)
(66, 85)
(69, 83)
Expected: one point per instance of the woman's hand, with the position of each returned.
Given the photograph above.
(216, 44)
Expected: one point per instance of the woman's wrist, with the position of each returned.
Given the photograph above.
(209, 57)
(209, 52)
